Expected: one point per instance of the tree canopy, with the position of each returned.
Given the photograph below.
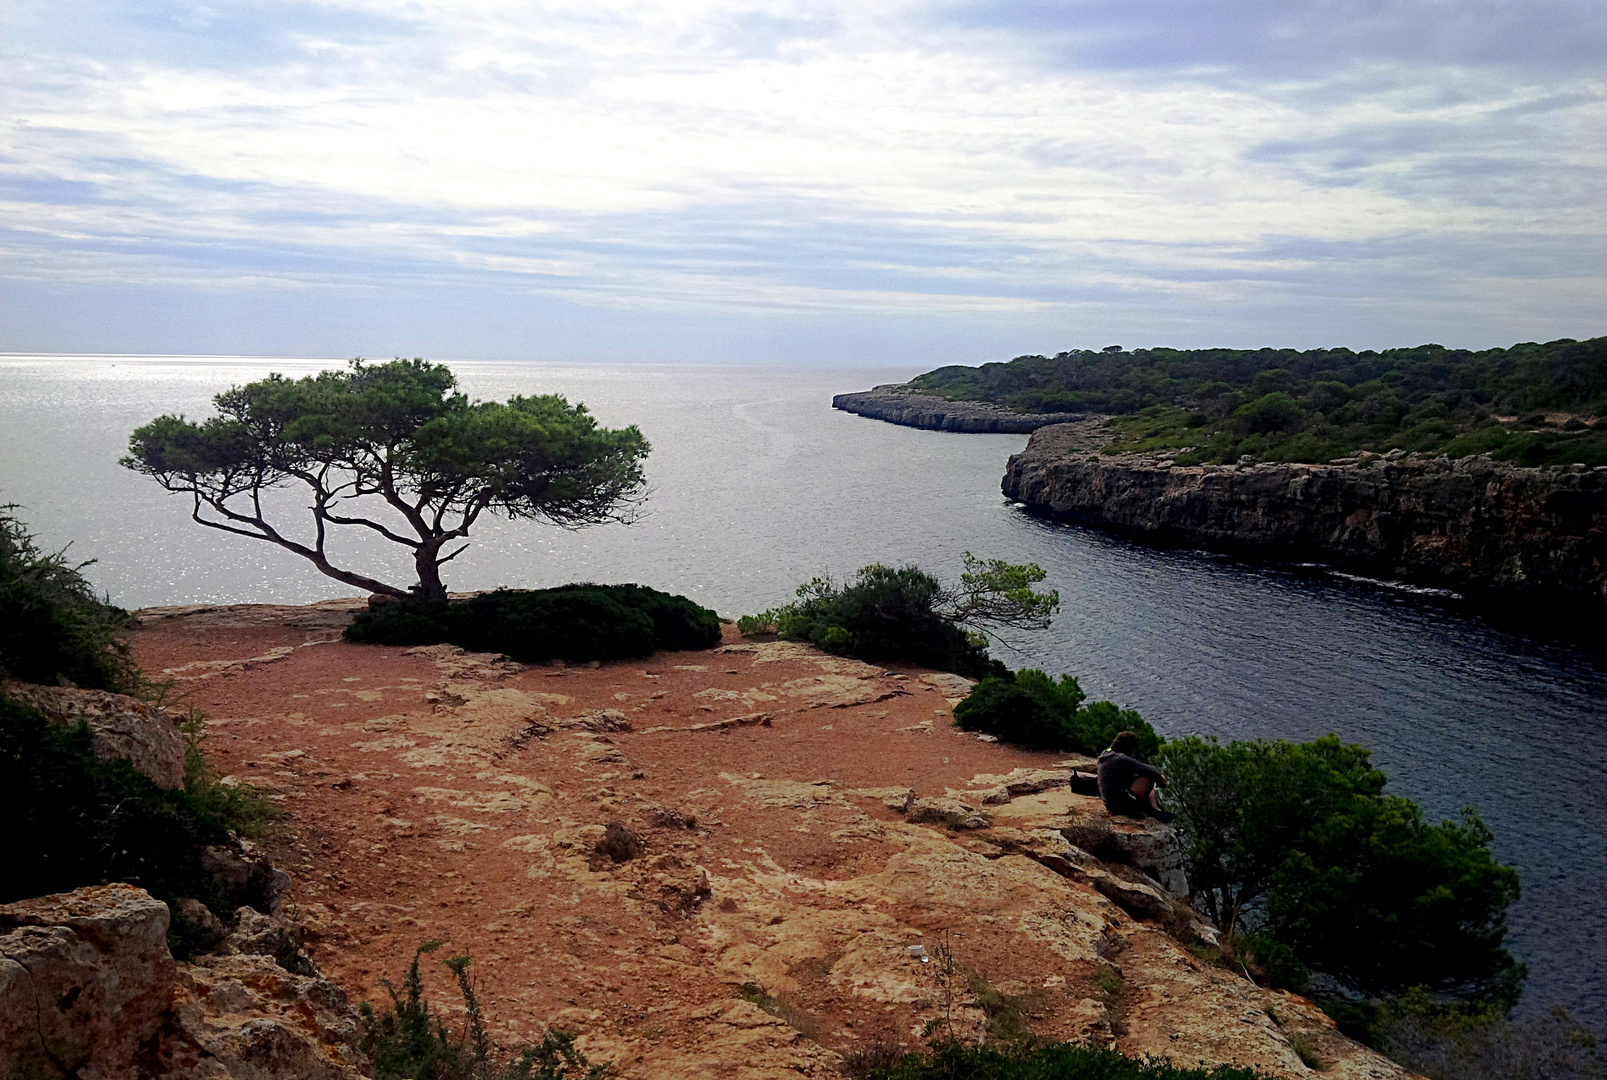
(1536, 404)
(395, 449)
(1297, 841)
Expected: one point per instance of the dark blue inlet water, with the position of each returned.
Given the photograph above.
(758, 485)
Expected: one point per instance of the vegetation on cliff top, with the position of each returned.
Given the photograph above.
(1030, 709)
(1295, 847)
(1057, 1061)
(72, 820)
(1535, 404)
(391, 448)
(55, 628)
(408, 1042)
(572, 622)
(905, 614)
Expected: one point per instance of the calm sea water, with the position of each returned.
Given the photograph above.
(757, 485)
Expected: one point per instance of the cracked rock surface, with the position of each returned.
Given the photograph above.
(710, 864)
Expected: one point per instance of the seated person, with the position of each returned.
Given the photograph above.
(1129, 785)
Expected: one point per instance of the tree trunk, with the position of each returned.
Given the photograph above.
(425, 560)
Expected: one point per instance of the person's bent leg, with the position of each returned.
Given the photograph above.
(1148, 800)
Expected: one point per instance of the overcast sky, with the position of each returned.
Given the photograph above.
(839, 182)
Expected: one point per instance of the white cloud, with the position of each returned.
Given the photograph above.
(772, 157)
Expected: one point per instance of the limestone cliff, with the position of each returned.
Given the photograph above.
(1471, 525)
(897, 403)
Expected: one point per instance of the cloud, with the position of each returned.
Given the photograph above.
(807, 161)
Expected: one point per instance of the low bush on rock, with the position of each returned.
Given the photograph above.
(1031, 709)
(1449, 1044)
(1058, 1061)
(905, 614)
(408, 1042)
(573, 622)
(55, 628)
(71, 820)
(1295, 848)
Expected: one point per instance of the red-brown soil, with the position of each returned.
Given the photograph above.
(433, 795)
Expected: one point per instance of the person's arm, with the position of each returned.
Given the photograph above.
(1144, 768)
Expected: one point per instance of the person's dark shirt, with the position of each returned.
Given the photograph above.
(1116, 775)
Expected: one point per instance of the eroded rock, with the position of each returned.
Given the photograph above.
(88, 989)
(84, 981)
(145, 735)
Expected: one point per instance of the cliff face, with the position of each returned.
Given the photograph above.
(898, 404)
(1471, 525)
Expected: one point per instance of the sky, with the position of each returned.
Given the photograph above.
(832, 182)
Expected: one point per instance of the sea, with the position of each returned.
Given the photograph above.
(758, 485)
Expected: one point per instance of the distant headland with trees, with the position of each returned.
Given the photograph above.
(1530, 404)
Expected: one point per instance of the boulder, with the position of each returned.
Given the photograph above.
(84, 982)
(939, 810)
(89, 990)
(145, 735)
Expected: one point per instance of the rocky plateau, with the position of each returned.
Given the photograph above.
(818, 863)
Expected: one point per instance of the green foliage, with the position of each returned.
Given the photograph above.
(994, 593)
(71, 820)
(905, 614)
(242, 808)
(1285, 405)
(1297, 841)
(407, 1042)
(394, 449)
(1057, 1061)
(572, 622)
(1274, 961)
(884, 614)
(1031, 709)
(1458, 1044)
(55, 627)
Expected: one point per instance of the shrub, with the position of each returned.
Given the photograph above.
(1297, 842)
(1031, 709)
(884, 614)
(1003, 708)
(74, 820)
(55, 628)
(1451, 1045)
(408, 1043)
(573, 622)
(1057, 1061)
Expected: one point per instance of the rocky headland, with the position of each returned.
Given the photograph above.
(1471, 525)
(899, 403)
(751, 861)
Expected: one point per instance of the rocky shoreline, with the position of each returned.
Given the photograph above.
(1472, 525)
(898, 403)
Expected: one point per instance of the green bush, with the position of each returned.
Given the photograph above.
(573, 622)
(885, 614)
(1457, 1044)
(71, 820)
(1031, 709)
(1057, 1061)
(55, 628)
(904, 614)
(408, 1043)
(1297, 844)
